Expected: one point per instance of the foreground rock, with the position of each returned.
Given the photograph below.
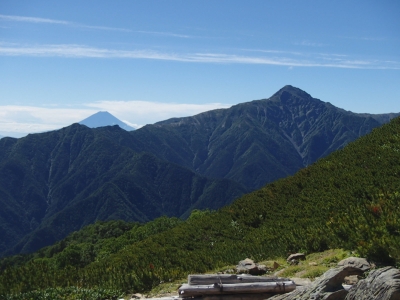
(380, 284)
(341, 283)
(328, 286)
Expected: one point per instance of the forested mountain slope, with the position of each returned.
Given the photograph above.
(54, 183)
(349, 199)
(257, 142)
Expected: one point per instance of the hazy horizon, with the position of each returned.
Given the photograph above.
(147, 61)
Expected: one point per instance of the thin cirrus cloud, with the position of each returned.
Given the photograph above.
(57, 22)
(17, 120)
(270, 58)
(79, 25)
(32, 20)
(309, 44)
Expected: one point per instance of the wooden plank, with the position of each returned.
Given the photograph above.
(187, 290)
(230, 279)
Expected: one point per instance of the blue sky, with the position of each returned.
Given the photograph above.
(146, 61)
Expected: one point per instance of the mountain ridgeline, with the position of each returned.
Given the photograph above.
(349, 199)
(56, 182)
(257, 142)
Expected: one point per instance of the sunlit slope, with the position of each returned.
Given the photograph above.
(349, 199)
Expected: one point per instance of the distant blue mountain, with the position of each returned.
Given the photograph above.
(104, 118)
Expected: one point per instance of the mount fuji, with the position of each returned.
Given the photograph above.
(104, 118)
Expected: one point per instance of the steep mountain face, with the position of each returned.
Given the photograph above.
(104, 118)
(54, 183)
(257, 142)
(349, 200)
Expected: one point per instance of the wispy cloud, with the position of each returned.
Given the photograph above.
(59, 22)
(19, 120)
(310, 44)
(273, 51)
(16, 120)
(365, 38)
(277, 59)
(78, 51)
(32, 20)
(79, 25)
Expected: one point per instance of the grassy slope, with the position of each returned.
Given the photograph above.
(349, 199)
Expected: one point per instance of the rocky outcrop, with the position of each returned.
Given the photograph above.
(328, 286)
(382, 284)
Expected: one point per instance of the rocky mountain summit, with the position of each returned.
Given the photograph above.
(257, 142)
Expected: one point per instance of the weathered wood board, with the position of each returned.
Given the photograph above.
(230, 279)
(187, 290)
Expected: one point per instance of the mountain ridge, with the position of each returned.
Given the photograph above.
(348, 200)
(55, 182)
(290, 123)
(59, 181)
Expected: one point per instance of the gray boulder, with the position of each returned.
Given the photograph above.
(296, 256)
(247, 266)
(328, 286)
(356, 262)
(381, 284)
